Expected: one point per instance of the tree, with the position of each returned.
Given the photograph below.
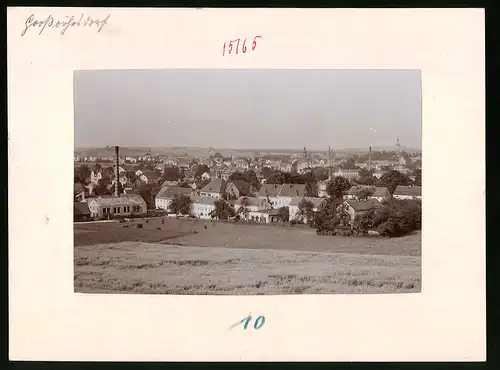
(312, 189)
(284, 214)
(306, 210)
(171, 173)
(331, 214)
(82, 173)
(131, 176)
(364, 172)
(363, 222)
(184, 185)
(337, 187)
(266, 172)
(181, 205)
(200, 170)
(418, 177)
(223, 210)
(200, 184)
(398, 217)
(321, 173)
(349, 164)
(218, 155)
(146, 194)
(366, 180)
(391, 180)
(244, 210)
(249, 176)
(102, 187)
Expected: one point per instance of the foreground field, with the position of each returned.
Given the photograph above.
(229, 235)
(130, 267)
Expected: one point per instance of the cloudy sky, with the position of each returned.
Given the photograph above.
(248, 109)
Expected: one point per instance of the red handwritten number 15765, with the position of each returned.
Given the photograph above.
(228, 46)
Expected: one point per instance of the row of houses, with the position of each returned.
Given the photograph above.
(265, 204)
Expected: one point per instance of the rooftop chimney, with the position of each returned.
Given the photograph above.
(117, 172)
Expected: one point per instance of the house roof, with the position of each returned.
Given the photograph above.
(81, 209)
(209, 201)
(243, 187)
(170, 183)
(215, 186)
(271, 190)
(123, 199)
(151, 175)
(252, 202)
(169, 192)
(414, 191)
(363, 205)
(378, 191)
(292, 190)
(315, 201)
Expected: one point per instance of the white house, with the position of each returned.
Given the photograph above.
(408, 192)
(202, 207)
(356, 207)
(206, 176)
(123, 205)
(164, 197)
(281, 195)
(322, 186)
(294, 207)
(349, 174)
(150, 177)
(214, 189)
(253, 205)
(95, 176)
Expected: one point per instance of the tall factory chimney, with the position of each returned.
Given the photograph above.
(370, 158)
(117, 172)
(329, 163)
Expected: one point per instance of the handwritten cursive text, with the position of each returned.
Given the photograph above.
(63, 24)
(227, 48)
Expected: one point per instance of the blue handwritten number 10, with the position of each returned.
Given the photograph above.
(259, 322)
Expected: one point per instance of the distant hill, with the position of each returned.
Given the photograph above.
(204, 152)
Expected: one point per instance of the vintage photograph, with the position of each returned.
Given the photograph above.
(247, 182)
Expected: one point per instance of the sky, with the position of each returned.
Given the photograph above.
(248, 109)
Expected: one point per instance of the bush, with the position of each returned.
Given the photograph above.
(139, 226)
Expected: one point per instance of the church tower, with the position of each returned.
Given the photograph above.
(398, 147)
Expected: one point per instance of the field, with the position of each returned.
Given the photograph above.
(184, 257)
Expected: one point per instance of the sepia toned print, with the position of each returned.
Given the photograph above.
(247, 182)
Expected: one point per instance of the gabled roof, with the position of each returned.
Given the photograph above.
(168, 192)
(414, 191)
(123, 199)
(215, 186)
(292, 190)
(270, 190)
(81, 209)
(315, 201)
(209, 201)
(170, 183)
(243, 187)
(363, 205)
(151, 175)
(252, 202)
(378, 191)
